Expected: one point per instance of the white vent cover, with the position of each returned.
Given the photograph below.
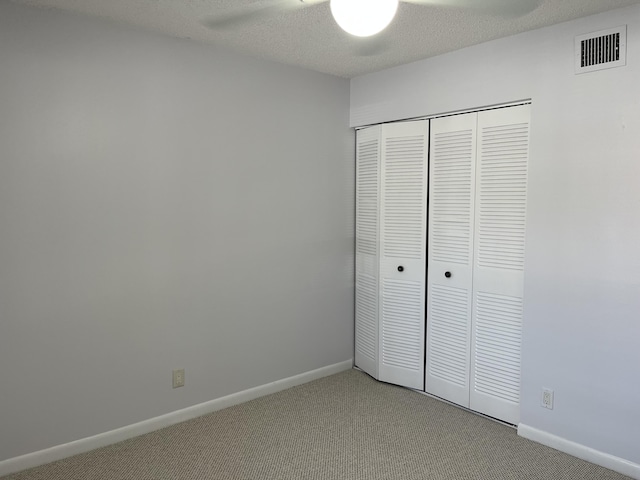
(600, 50)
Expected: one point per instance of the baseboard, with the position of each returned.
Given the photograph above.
(59, 452)
(606, 460)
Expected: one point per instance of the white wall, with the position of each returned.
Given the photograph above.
(162, 205)
(582, 283)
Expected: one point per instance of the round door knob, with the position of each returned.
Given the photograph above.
(447, 274)
(401, 268)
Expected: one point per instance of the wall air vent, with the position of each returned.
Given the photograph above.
(600, 50)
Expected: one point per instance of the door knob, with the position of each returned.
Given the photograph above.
(401, 268)
(447, 274)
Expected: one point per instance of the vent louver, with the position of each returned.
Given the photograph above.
(600, 50)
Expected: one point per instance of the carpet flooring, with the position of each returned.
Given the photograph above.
(346, 426)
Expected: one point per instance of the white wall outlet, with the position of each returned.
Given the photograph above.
(178, 378)
(547, 398)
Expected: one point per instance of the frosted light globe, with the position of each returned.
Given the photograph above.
(363, 18)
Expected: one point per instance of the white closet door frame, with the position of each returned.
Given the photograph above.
(403, 223)
(498, 273)
(367, 249)
(450, 265)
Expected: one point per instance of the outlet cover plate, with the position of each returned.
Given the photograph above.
(547, 398)
(178, 378)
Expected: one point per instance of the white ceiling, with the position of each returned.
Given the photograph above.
(291, 32)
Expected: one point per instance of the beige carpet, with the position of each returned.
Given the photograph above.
(347, 426)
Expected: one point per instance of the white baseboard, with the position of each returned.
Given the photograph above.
(611, 462)
(59, 452)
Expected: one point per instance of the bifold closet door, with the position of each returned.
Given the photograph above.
(367, 259)
(450, 263)
(403, 223)
(498, 273)
(477, 211)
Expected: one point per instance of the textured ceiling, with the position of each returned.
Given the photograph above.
(291, 32)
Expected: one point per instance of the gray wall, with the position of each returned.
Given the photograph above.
(582, 278)
(162, 204)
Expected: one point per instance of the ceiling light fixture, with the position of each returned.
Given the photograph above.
(363, 18)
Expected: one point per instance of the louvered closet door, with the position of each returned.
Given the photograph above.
(498, 274)
(367, 258)
(403, 252)
(450, 266)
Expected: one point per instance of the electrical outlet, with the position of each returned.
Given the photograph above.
(547, 398)
(178, 378)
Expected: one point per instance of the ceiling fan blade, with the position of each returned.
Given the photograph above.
(254, 13)
(504, 8)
